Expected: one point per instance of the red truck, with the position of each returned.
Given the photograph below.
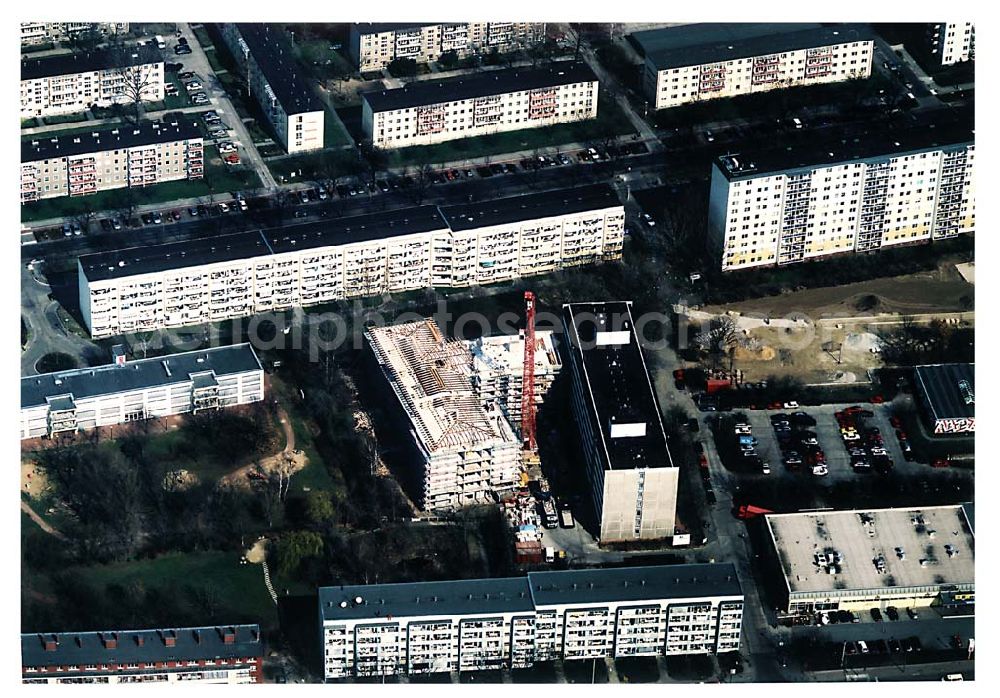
(749, 511)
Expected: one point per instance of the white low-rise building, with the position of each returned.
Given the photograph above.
(127, 156)
(697, 62)
(288, 101)
(128, 391)
(633, 480)
(434, 111)
(482, 624)
(374, 46)
(67, 83)
(237, 275)
(885, 189)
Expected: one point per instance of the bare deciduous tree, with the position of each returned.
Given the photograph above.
(131, 66)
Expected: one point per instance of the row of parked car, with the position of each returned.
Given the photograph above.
(891, 646)
(706, 479)
(864, 443)
(747, 444)
(799, 445)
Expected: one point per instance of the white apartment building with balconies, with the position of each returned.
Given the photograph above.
(886, 189)
(128, 391)
(127, 156)
(64, 84)
(511, 623)
(953, 42)
(237, 275)
(696, 62)
(275, 77)
(35, 33)
(375, 46)
(426, 111)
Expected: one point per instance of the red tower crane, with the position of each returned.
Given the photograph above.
(528, 377)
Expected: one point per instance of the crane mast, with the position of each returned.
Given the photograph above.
(528, 381)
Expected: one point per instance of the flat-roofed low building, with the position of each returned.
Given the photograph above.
(434, 111)
(277, 82)
(697, 62)
(633, 480)
(947, 397)
(237, 275)
(483, 624)
(35, 33)
(227, 654)
(66, 83)
(128, 391)
(887, 187)
(861, 559)
(373, 46)
(128, 156)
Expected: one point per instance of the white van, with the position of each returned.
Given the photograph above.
(160, 43)
(863, 646)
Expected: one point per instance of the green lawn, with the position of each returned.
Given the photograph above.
(29, 123)
(314, 166)
(213, 60)
(201, 34)
(241, 587)
(65, 118)
(610, 121)
(218, 178)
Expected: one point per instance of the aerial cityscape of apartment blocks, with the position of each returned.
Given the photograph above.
(886, 188)
(35, 33)
(290, 104)
(953, 42)
(375, 46)
(428, 111)
(633, 480)
(128, 391)
(230, 654)
(125, 156)
(74, 82)
(696, 62)
(236, 275)
(481, 624)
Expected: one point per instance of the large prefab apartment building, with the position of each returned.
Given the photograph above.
(512, 623)
(874, 192)
(952, 42)
(35, 33)
(184, 656)
(128, 391)
(127, 156)
(426, 111)
(373, 46)
(64, 84)
(291, 106)
(633, 480)
(238, 275)
(697, 62)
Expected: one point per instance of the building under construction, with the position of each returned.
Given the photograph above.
(465, 450)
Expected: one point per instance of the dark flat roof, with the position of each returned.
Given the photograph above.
(493, 82)
(623, 584)
(136, 375)
(275, 55)
(943, 396)
(150, 259)
(98, 59)
(43, 147)
(698, 44)
(530, 206)
(341, 231)
(457, 597)
(80, 649)
(618, 384)
(876, 142)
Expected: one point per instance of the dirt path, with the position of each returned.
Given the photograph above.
(42, 523)
(293, 459)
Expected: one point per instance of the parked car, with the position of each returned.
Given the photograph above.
(892, 613)
(912, 613)
(876, 615)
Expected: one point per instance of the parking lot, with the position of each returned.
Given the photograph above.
(830, 441)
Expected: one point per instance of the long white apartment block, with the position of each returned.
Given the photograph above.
(127, 156)
(464, 449)
(433, 111)
(632, 478)
(497, 370)
(34, 33)
(881, 190)
(697, 62)
(74, 82)
(237, 275)
(953, 42)
(511, 623)
(287, 99)
(128, 391)
(375, 46)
